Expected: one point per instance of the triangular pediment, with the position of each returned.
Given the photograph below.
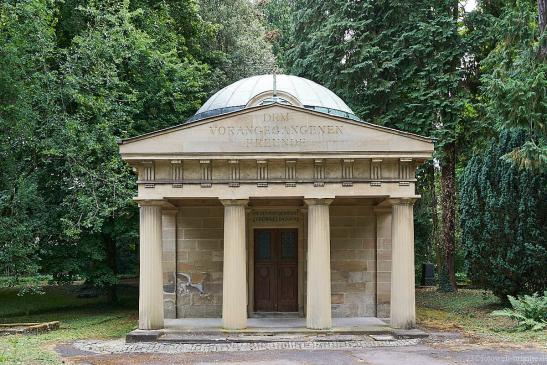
(276, 129)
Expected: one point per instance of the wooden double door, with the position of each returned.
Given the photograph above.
(276, 270)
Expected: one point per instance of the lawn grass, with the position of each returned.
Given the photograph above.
(80, 319)
(469, 311)
(56, 298)
(466, 310)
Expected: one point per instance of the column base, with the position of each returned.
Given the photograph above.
(234, 325)
(319, 326)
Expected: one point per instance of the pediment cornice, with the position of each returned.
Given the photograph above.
(276, 131)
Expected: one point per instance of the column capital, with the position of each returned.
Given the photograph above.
(153, 202)
(170, 211)
(318, 201)
(403, 201)
(234, 202)
(379, 209)
(387, 205)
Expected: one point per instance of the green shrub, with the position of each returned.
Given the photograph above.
(504, 221)
(462, 279)
(530, 311)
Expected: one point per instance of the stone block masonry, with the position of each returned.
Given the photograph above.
(383, 262)
(199, 261)
(169, 264)
(360, 261)
(353, 261)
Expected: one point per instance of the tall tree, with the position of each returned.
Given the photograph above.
(396, 64)
(504, 220)
(118, 81)
(239, 48)
(447, 128)
(514, 79)
(279, 24)
(542, 22)
(29, 94)
(75, 76)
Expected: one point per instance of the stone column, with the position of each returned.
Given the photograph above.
(151, 275)
(318, 298)
(403, 307)
(234, 278)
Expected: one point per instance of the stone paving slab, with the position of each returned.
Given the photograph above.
(195, 339)
(120, 346)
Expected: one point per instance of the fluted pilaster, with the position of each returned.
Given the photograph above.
(234, 282)
(318, 299)
(150, 278)
(403, 307)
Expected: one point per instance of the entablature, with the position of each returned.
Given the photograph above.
(290, 172)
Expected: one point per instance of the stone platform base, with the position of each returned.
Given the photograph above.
(310, 343)
(209, 330)
(28, 328)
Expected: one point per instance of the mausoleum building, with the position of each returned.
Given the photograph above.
(276, 199)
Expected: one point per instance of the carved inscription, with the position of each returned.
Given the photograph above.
(282, 135)
(275, 216)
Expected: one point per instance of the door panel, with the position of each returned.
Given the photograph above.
(287, 288)
(289, 245)
(265, 271)
(265, 287)
(276, 270)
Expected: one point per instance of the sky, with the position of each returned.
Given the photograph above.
(469, 5)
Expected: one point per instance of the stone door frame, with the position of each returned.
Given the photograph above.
(299, 223)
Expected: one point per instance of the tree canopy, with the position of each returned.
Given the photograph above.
(77, 75)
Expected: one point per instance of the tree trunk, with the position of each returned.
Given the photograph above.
(448, 185)
(435, 243)
(111, 252)
(542, 20)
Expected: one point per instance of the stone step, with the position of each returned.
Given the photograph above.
(275, 315)
(263, 335)
(191, 339)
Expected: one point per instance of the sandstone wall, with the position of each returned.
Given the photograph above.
(383, 262)
(199, 257)
(353, 266)
(360, 262)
